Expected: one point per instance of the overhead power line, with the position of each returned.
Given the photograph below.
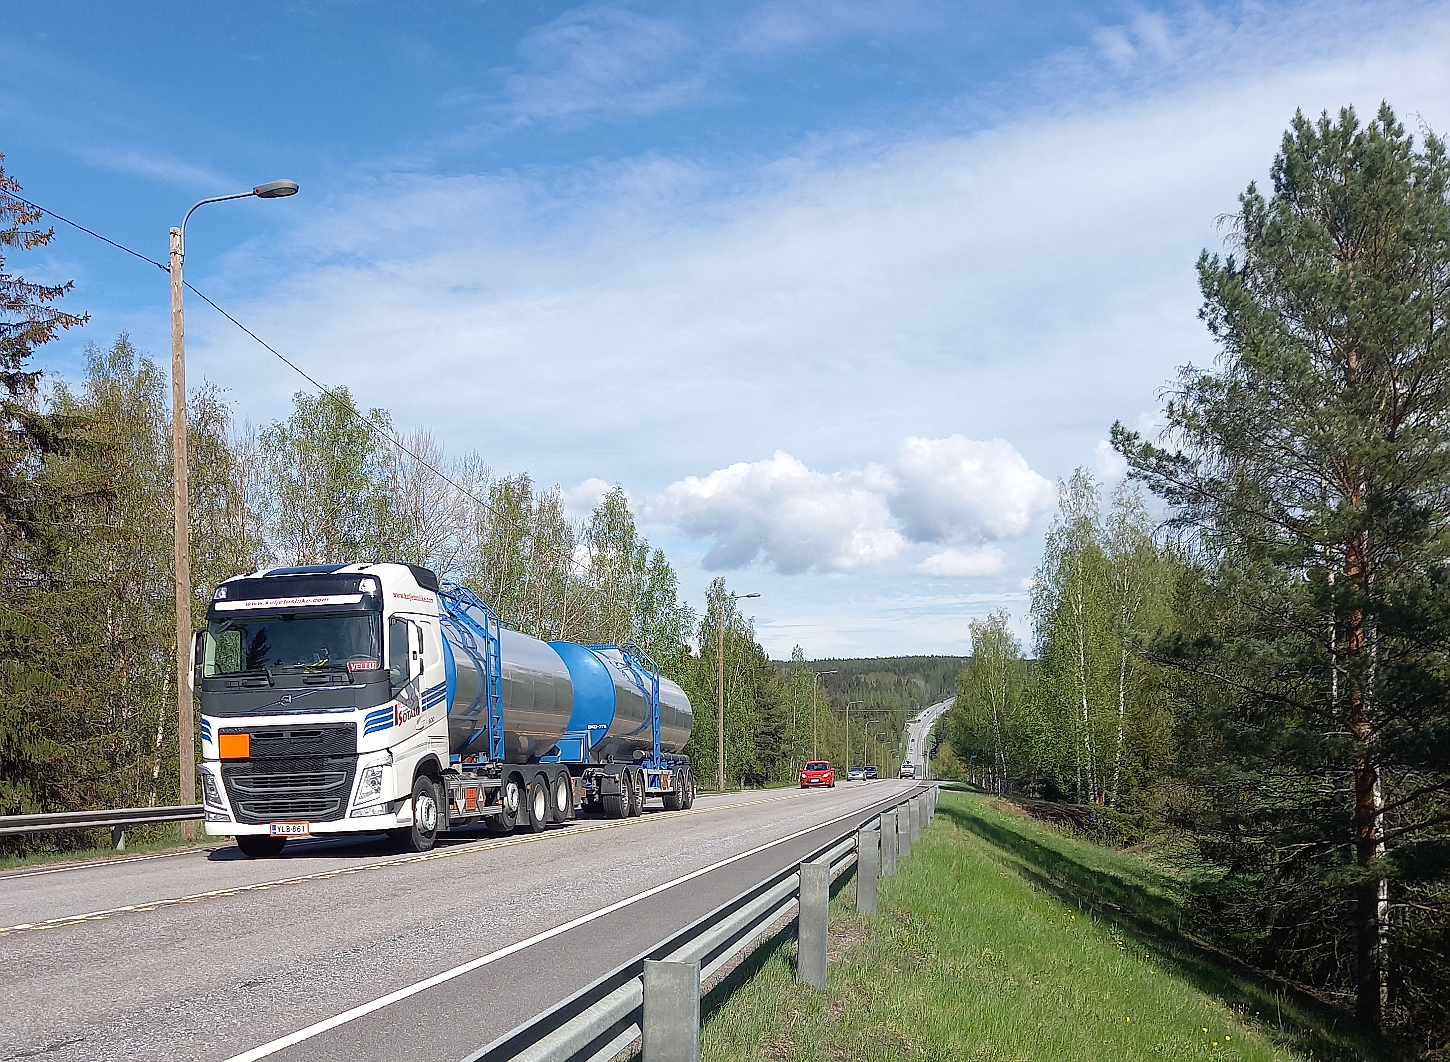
(352, 411)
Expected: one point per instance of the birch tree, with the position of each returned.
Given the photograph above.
(986, 717)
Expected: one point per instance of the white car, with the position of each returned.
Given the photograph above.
(908, 770)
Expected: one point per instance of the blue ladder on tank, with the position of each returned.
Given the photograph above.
(459, 605)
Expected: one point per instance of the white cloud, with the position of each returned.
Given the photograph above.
(602, 61)
(1111, 466)
(952, 490)
(781, 511)
(948, 488)
(582, 500)
(953, 563)
(156, 166)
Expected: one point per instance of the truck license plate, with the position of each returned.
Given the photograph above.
(290, 829)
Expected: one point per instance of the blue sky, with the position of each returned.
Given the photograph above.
(836, 291)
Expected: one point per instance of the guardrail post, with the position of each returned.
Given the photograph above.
(814, 923)
(903, 830)
(118, 838)
(868, 859)
(914, 815)
(888, 842)
(671, 1011)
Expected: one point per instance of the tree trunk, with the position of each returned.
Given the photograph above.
(1372, 908)
(1122, 711)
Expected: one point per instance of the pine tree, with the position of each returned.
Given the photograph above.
(1311, 470)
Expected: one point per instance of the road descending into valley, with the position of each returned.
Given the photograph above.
(204, 954)
(916, 734)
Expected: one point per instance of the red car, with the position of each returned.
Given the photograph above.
(818, 773)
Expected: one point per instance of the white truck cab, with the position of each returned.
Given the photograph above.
(323, 700)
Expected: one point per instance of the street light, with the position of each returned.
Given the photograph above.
(848, 736)
(720, 702)
(181, 532)
(815, 684)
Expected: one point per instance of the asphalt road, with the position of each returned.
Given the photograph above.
(916, 732)
(207, 955)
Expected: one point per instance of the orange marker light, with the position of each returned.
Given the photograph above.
(235, 746)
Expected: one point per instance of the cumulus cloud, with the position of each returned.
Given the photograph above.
(583, 499)
(945, 485)
(956, 492)
(795, 518)
(955, 563)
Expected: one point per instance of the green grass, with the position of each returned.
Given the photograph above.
(147, 840)
(980, 950)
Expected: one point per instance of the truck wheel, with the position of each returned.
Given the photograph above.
(421, 836)
(675, 798)
(614, 805)
(563, 798)
(636, 795)
(538, 808)
(255, 846)
(511, 798)
(687, 797)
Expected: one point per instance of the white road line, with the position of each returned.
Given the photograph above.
(290, 1040)
(148, 906)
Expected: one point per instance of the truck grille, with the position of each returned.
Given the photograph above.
(295, 772)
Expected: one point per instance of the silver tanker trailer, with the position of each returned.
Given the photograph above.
(368, 697)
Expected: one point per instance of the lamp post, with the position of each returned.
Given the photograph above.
(848, 736)
(181, 531)
(815, 685)
(720, 702)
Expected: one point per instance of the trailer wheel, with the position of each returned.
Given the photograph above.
(636, 793)
(260, 846)
(675, 798)
(563, 798)
(690, 790)
(614, 805)
(538, 808)
(421, 836)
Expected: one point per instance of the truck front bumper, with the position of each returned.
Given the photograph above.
(399, 814)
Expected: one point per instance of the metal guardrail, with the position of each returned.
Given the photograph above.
(114, 819)
(603, 1019)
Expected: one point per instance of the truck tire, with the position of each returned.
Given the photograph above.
(614, 805)
(675, 798)
(636, 793)
(421, 836)
(511, 799)
(260, 846)
(688, 795)
(538, 807)
(563, 808)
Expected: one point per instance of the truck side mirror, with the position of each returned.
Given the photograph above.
(198, 658)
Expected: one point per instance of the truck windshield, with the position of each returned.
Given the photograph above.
(237, 644)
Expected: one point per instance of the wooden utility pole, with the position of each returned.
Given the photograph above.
(181, 542)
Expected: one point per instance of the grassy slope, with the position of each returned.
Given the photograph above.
(980, 951)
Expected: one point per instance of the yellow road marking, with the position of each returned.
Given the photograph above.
(327, 875)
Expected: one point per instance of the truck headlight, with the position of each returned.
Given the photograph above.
(369, 785)
(210, 794)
